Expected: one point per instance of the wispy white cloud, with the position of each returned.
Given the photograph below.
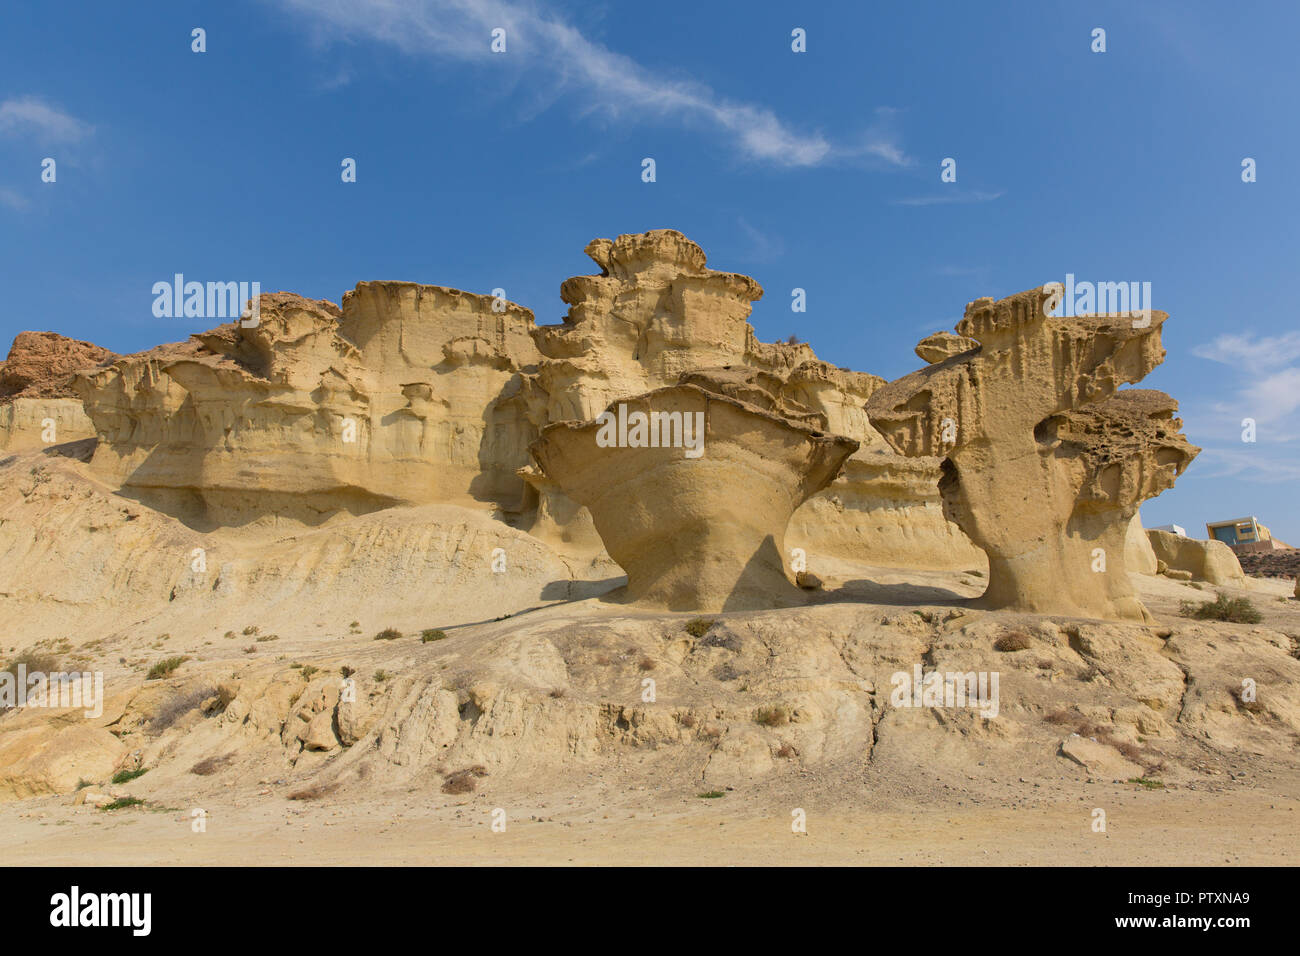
(1272, 397)
(1246, 462)
(613, 84)
(763, 247)
(1265, 386)
(1266, 352)
(13, 200)
(949, 196)
(32, 116)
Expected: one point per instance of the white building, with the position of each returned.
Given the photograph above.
(1172, 529)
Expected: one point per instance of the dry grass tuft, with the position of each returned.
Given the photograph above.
(1013, 641)
(314, 792)
(210, 765)
(463, 781)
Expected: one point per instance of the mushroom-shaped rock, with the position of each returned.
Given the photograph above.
(691, 492)
(943, 345)
(1044, 464)
(755, 387)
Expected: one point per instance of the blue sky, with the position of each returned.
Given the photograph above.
(818, 170)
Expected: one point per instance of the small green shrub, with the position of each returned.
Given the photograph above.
(164, 668)
(121, 802)
(772, 716)
(699, 626)
(388, 634)
(432, 634)
(1223, 608)
(710, 794)
(125, 776)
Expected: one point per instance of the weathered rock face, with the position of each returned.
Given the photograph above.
(38, 406)
(77, 559)
(41, 365)
(941, 346)
(657, 316)
(654, 312)
(882, 504)
(1211, 561)
(413, 394)
(1138, 555)
(34, 762)
(409, 394)
(695, 531)
(884, 510)
(1044, 464)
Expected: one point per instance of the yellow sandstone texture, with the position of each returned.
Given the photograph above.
(1045, 461)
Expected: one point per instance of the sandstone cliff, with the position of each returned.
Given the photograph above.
(38, 406)
(407, 395)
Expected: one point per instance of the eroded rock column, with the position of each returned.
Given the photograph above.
(691, 492)
(1044, 463)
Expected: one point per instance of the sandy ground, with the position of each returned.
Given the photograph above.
(1246, 824)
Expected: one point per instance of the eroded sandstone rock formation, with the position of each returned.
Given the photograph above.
(1045, 462)
(1138, 555)
(696, 527)
(413, 394)
(1211, 561)
(38, 406)
(656, 315)
(409, 394)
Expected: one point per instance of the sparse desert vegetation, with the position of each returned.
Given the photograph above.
(165, 667)
(1238, 610)
(1013, 641)
(698, 627)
